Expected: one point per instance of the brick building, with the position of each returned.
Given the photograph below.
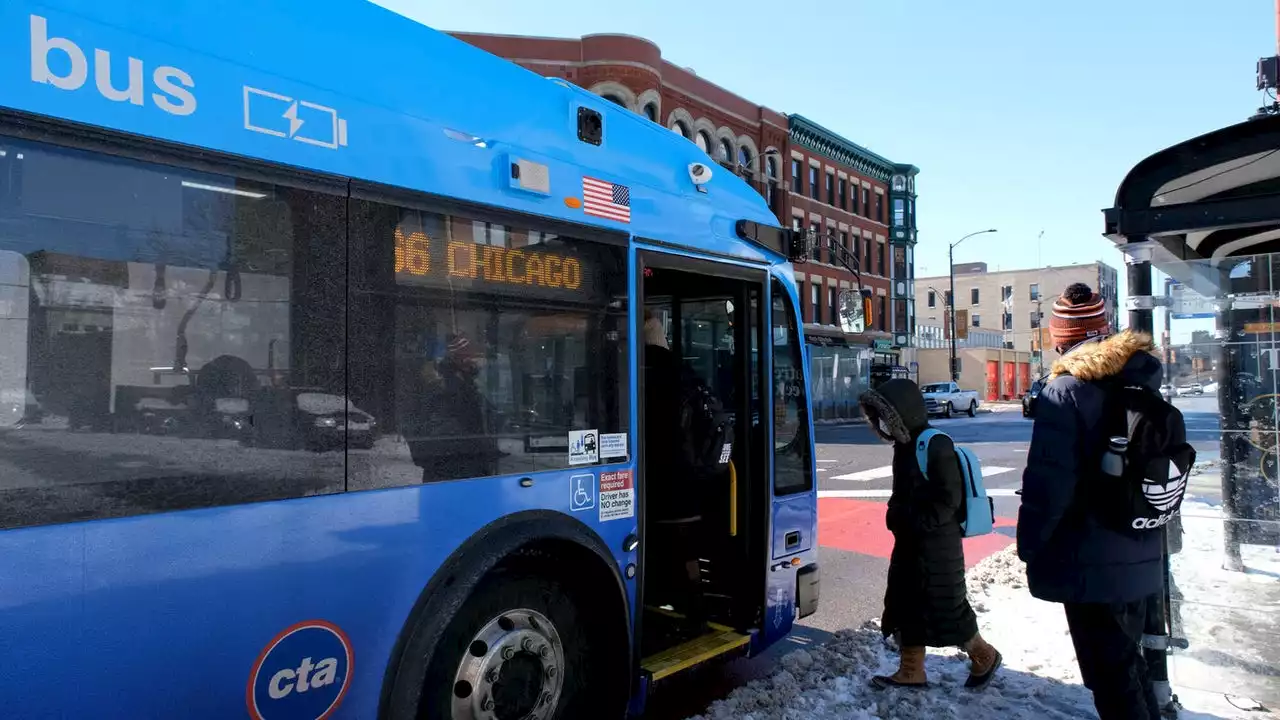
(811, 178)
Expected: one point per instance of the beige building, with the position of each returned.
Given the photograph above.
(1015, 303)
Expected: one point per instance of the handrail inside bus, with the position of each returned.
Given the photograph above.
(733, 500)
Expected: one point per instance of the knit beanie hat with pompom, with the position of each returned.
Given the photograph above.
(1078, 315)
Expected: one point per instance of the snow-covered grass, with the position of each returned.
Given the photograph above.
(1040, 678)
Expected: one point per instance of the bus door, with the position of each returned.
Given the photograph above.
(792, 579)
(704, 531)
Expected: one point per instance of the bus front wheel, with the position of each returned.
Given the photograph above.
(520, 647)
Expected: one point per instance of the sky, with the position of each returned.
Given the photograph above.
(1022, 116)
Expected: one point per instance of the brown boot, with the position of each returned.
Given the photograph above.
(984, 661)
(910, 671)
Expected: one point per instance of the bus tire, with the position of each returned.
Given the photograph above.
(522, 642)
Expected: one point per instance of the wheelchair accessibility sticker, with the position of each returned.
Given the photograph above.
(582, 492)
(304, 672)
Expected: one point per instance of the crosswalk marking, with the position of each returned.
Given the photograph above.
(887, 471)
(884, 494)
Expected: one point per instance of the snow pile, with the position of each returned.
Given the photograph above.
(1040, 678)
(1231, 620)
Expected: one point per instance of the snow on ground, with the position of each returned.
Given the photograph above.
(1230, 619)
(1040, 678)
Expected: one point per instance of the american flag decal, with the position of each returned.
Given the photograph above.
(606, 200)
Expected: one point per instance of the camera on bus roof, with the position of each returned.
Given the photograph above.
(699, 173)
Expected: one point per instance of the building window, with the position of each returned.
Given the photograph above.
(842, 189)
(899, 262)
(882, 313)
(813, 182)
(973, 296)
(879, 208)
(771, 181)
(815, 251)
(899, 212)
(866, 201)
(1035, 291)
(744, 157)
(1035, 318)
(844, 246)
(703, 142)
(866, 253)
(651, 112)
(933, 299)
(681, 129)
(977, 320)
(615, 99)
(853, 196)
(797, 180)
(815, 298)
(1006, 320)
(947, 295)
(1006, 293)
(880, 260)
(833, 303)
(724, 152)
(831, 189)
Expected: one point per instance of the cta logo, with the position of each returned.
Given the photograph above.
(61, 63)
(304, 672)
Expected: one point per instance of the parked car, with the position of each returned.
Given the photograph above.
(946, 398)
(1029, 399)
(1167, 392)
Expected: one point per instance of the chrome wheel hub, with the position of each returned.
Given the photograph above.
(513, 669)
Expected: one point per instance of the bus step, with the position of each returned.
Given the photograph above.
(719, 641)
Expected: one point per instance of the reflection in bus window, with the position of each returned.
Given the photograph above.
(158, 331)
(482, 345)
(792, 471)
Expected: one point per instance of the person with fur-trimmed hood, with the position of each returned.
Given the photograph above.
(925, 601)
(1103, 578)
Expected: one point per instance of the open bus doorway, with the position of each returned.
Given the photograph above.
(704, 531)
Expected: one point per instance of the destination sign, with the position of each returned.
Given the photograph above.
(421, 259)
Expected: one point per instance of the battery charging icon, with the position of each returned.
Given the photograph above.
(282, 116)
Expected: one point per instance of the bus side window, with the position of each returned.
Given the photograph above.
(792, 469)
(172, 338)
(483, 346)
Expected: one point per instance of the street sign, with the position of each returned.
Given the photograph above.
(1187, 304)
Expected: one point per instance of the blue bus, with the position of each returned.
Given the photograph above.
(322, 382)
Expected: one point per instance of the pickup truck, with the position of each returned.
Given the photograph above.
(945, 398)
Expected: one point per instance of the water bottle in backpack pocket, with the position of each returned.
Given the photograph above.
(979, 510)
(1146, 462)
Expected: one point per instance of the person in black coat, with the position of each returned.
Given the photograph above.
(925, 601)
(1104, 578)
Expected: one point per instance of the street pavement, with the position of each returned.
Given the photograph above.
(854, 480)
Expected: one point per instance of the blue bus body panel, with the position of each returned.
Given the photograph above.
(399, 94)
(167, 615)
(164, 615)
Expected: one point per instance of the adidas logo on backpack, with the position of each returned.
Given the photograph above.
(1146, 463)
(979, 509)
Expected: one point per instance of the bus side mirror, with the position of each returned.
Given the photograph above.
(854, 310)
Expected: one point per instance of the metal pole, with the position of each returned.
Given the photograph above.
(951, 267)
(1140, 320)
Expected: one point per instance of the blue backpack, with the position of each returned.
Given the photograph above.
(979, 510)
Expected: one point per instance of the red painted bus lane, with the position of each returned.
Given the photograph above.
(858, 526)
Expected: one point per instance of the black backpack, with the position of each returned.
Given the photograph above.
(1157, 460)
(706, 431)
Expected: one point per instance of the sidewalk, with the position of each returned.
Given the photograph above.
(1040, 678)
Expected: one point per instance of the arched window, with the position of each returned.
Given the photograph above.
(651, 112)
(771, 167)
(744, 157)
(725, 152)
(703, 142)
(680, 129)
(615, 99)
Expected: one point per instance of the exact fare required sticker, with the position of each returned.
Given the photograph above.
(617, 495)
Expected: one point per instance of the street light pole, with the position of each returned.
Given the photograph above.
(951, 266)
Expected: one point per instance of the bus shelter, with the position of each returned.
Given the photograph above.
(1206, 214)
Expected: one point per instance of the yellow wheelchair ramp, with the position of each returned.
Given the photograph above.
(719, 641)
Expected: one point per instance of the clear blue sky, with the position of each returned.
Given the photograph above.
(1021, 115)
